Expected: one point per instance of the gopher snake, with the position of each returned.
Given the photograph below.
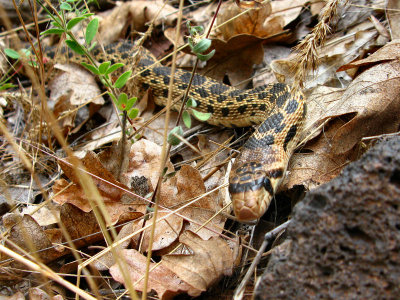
(259, 169)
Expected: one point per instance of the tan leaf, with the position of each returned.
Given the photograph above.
(249, 23)
(235, 58)
(30, 236)
(145, 160)
(76, 83)
(167, 231)
(136, 14)
(369, 106)
(391, 51)
(166, 283)
(210, 261)
(120, 205)
(393, 16)
(191, 185)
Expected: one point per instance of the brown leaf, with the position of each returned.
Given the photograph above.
(136, 14)
(391, 51)
(369, 106)
(209, 261)
(167, 232)
(145, 160)
(252, 22)
(162, 280)
(30, 236)
(120, 205)
(77, 84)
(39, 294)
(235, 58)
(393, 16)
(191, 185)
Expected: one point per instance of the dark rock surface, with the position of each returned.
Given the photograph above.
(345, 236)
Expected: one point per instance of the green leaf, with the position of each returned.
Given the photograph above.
(130, 103)
(65, 6)
(121, 81)
(113, 68)
(75, 21)
(104, 66)
(205, 57)
(72, 1)
(200, 115)
(26, 52)
(202, 46)
(172, 139)
(91, 68)
(12, 53)
(122, 101)
(6, 86)
(187, 119)
(191, 44)
(91, 30)
(53, 31)
(191, 103)
(87, 15)
(33, 64)
(113, 98)
(56, 24)
(75, 47)
(133, 113)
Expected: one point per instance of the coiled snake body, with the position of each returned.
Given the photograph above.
(261, 165)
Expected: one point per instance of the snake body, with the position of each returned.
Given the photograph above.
(258, 170)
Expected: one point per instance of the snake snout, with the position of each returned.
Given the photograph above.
(251, 198)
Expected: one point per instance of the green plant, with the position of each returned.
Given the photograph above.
(63, 26)
(199, 46)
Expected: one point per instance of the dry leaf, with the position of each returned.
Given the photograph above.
(391, 51)
(249, 23)
(162, 280)
(29, 235)
(369, 106)
(167, 232)
(39, 294)
(76, 83)
(235, 58)
(120, 205)
(136, 14)
(209, 261)
(393, 16)
(145, 160)
(334, 54)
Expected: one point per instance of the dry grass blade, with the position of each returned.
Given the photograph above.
(306, 59)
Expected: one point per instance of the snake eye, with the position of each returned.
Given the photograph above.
(268, 186)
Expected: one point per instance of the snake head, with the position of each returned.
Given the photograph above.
(252, 186)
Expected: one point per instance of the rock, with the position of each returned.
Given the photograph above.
(345, 236)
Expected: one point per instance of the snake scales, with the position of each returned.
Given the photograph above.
(258, 170)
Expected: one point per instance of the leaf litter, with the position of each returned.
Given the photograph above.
(351, 95)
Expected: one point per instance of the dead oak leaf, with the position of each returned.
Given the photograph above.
(190, 185)
(209, 261)
(165, 282)
(25, 232)
(251, 22)
(136, 14)
(369, 106)
(120, 205)
(391, 51)
(166, 232)
(235, 58)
